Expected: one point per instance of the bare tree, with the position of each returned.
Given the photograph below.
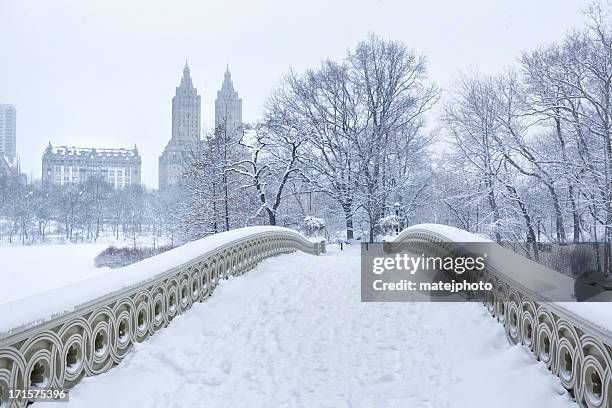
(275, 158)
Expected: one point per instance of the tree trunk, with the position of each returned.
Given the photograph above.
(271, 217)
(348, 216)
(226, 203)
(371, 223)
(558, 215)
(531, 235)
(493, 204)
(575, 216)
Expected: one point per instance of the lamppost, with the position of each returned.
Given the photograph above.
(397, 210)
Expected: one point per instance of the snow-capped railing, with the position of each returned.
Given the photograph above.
(43, 351)
(573, 345)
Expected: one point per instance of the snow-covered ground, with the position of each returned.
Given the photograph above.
(146, 239)
(30, 270)
(27, 270)
(293, 333)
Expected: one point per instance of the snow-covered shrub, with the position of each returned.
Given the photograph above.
(390, 224)
(313, 226)
(114, 257)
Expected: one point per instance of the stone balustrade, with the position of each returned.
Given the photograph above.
(573, 348)
(94, 337)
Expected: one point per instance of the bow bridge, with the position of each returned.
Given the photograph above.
(295, 333)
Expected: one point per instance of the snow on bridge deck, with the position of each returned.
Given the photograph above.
(293, 333)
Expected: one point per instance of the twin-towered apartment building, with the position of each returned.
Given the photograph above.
(122, 167)
(186, 127)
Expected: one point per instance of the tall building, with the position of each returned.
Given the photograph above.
(8, 131)
(72, 165)
(186, 111)
(228, 107)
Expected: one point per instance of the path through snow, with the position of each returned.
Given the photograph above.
(293, 333)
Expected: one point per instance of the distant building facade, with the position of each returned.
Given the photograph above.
(228, 107)
(8, 131)
(186, 126)
(64, 165)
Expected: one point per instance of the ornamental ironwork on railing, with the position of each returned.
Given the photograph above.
(572, 347)
(92, 338)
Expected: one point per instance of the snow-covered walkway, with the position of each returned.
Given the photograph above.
(293, 333)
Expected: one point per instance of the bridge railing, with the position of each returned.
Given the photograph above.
(56, 352)
(573, 347)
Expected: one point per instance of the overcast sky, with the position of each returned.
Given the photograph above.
(102, 73)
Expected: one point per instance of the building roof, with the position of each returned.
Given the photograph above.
(186, 81)
(92, 152)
